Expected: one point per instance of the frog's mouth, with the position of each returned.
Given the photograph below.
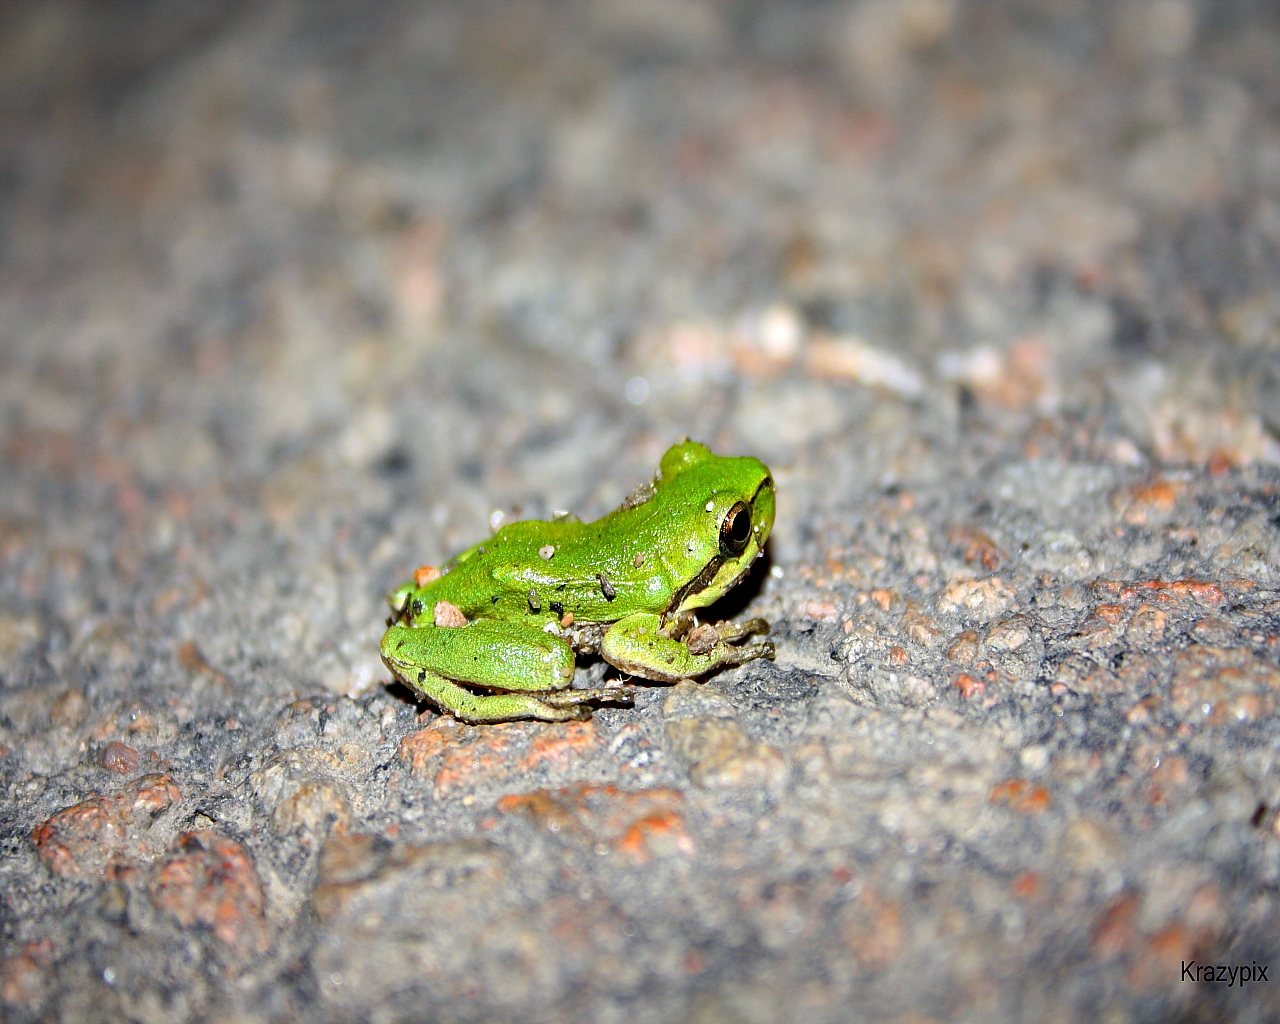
(697, 585)
(705, 578)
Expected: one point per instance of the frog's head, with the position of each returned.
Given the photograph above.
(725, 507)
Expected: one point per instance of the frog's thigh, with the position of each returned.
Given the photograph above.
(636, 645)
(500, 655)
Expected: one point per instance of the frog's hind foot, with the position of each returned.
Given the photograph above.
(571, 699)
(480, 708)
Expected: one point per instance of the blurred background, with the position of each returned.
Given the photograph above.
(295, 297)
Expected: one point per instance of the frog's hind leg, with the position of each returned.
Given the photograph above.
(534, 667)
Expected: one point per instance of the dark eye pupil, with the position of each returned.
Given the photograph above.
(736, 528)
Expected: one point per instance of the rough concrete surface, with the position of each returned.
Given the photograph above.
(295, 298)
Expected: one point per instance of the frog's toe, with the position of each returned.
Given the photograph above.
(554, 711)
(580, 698)
(616, 696)
(742, 655)
(733, 632)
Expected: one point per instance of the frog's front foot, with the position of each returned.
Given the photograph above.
(703, 639)
(639, 644)
(740, 655)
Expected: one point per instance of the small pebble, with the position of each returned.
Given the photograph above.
(449, 615)
(117, 757)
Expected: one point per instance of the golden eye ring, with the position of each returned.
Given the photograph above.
(735, 529)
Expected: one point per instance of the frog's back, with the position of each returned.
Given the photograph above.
(650, 555)
(545, 570)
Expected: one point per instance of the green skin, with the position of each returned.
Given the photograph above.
(629, 581)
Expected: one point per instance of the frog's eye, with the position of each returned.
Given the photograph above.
(735, 531)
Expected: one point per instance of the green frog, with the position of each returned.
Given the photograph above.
(492, 635)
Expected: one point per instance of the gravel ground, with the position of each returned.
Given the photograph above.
(297, 297)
